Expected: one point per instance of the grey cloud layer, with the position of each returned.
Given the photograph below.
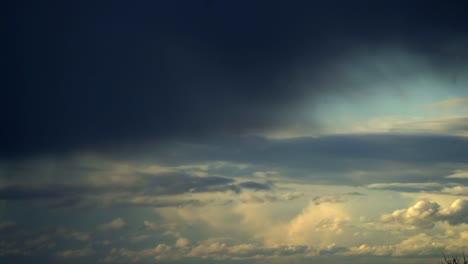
(384, 158)
(147, 193)
(413, 163)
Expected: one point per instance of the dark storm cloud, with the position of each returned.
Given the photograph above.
(255, 186)
(334, 152)
(410, 187)
(90, 74)
(385, 158)
(146, 192)
(37, 192)
(330, 159)
(177, 184)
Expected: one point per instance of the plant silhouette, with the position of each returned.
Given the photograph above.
(454, 260)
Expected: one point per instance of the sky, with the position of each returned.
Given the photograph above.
(234, 132)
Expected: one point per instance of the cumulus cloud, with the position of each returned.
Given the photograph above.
(458, 174)
(150, 225)
(319, 225)
(425, 213)
(291, 195)
(73, 234)
(160, 251)
(182, 242)
(419, 245)
(207, 250)
(457, 213)
(181, 249)
(114, 225)
(422, 244)
(69, 253)
(328, 199)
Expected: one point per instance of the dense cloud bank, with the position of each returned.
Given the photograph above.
(113, 73)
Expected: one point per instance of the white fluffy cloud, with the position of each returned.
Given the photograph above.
(425, 213)
(457, 213)
(422, 214)
(320, 225)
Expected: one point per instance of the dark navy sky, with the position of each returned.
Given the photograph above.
(85, 75)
